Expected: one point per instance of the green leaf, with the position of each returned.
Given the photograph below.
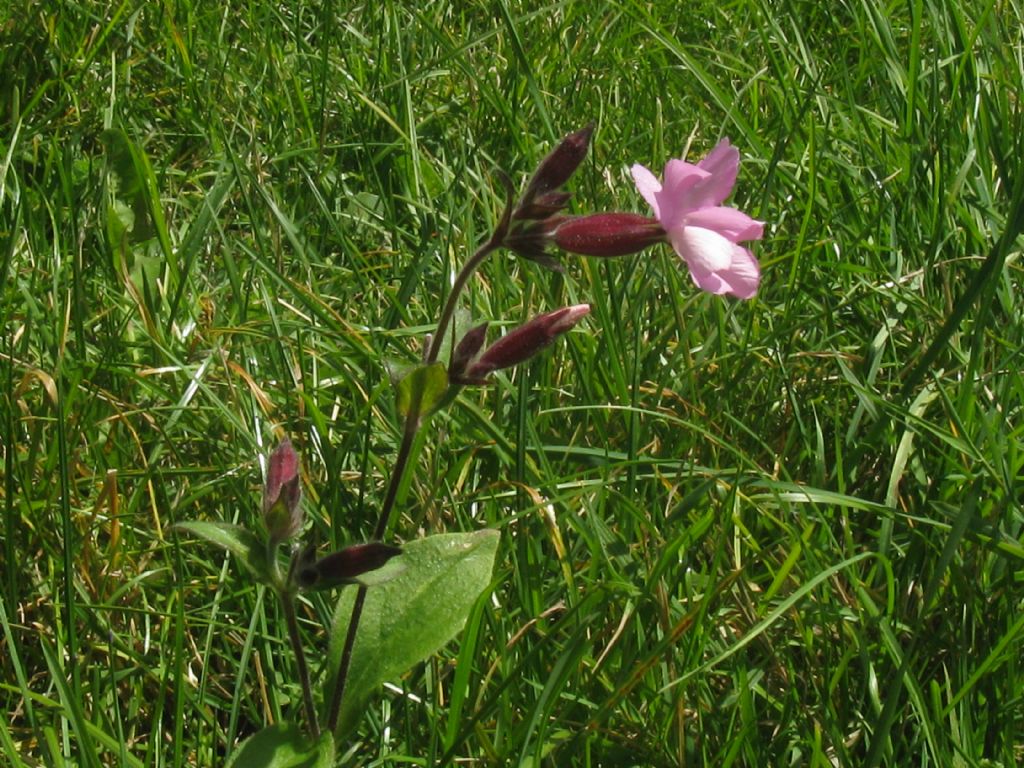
(236, 539)
(283, 745)
(412, 616)
(421, 389)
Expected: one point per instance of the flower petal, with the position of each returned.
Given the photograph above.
(681, 176)
(678, 197)
(719, 182)
(648, 186)
(731, 223)
(744, 274)
(704, 250)
(716, 264)
(709, 281)
(723, 161)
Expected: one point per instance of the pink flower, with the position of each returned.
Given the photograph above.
(703, 231)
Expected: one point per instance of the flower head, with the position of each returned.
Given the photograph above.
(706, 234)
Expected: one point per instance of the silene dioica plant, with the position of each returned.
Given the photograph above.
(405, 602)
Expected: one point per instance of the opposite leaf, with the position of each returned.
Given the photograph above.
(412, 616)
(283, 745)
(236, 539)
(422, 389)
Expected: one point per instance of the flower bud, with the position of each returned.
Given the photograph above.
(345, 565)
(608, 234)
(467, 348)
(282, 493)
(525, 341)
(555, 169)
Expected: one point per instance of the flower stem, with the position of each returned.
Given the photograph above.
(453, 298)
(288, 602)
(412, 424)
(402, 464)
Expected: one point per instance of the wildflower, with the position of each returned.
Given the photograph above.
(703, 231)
(282, 515)
(524, 342)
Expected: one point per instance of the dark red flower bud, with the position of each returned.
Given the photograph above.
(345, 565)
(527, 229)
(282, 515)
(526, 341)
(608, 234)
(467, 348)
(555, 169)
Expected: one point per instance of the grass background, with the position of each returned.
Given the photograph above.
(781, 532)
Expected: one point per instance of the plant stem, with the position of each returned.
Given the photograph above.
(402, 464)
(346, 661)
(412, 424)
(288, 602)
(453, 298)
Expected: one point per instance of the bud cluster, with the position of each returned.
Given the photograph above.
(538, 220)
(539, 211)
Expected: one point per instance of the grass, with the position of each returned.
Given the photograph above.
(783, 532)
